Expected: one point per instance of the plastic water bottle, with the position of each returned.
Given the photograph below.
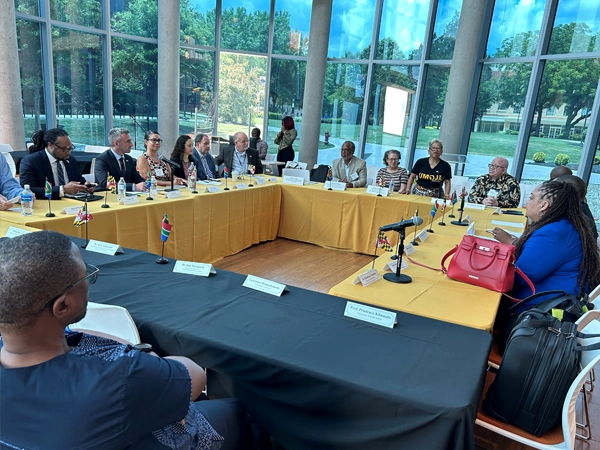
(391, 188)
(27, 201)
(153, 188)
(192, 177)
(121, 186)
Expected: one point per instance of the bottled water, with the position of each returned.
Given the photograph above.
(192, 177)
(27, 201)
(391, 187)
(153, 188)
(121, 186)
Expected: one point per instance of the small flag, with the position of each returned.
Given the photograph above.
(434, 209)
(251, 169)
(166, 228)
(82, 216)
(110, 184)
(382, 241)
(443, 204)
(149, 181)
(329, 175)
(226, 172)
(454, 198)
(48, 190)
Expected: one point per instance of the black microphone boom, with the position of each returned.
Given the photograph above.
(405, 223)
(168, 161)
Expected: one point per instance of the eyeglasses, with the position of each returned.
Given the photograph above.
(156, 141)
(492, 166)
(65, 149)
(91, 274)
(435, 149)
(393, 159)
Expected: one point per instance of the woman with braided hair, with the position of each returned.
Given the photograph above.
(558, 249)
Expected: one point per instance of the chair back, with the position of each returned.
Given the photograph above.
(136, 153)
(526, 190)
(108, 319)
(95, 148)
(297, 173)
(10, 161)
(6, 148)
(372, 174)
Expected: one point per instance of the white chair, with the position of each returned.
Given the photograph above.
(136, 153)
(594, 294)
(95, 149)
(10, 161)
(555, 439)
(371, 174)
(303, 165)
(93, 165)
(526, 190)
(6, 148)
(89, 177)
(108, 320)
(460, 180)
(297, 173)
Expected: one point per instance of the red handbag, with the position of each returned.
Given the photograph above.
(485, 263)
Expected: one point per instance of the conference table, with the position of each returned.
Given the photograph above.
(313, 378)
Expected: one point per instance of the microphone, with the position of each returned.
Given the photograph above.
(405, 223)
(168, 161)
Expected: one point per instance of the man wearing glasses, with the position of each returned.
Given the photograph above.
(497, 188)
(50, 159)
(238, 156)
(113, 396)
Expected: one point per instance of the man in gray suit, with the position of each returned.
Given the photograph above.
(349, 169)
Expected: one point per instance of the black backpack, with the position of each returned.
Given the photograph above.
(540, 362)
(319, 174)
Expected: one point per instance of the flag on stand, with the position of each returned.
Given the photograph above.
(110, 184)
(454, 198)
(443, 204)
(382, 241)
(48, 190)
(149, 181)
(166, 228)
(251, 169)
(226, 172)
(82, 216)
(329, 175)
(434, 209)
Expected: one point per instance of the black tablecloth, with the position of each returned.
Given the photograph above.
(84, 160)
(312, 377)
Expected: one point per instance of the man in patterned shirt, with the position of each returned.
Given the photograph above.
(74, 390)
(497, 188)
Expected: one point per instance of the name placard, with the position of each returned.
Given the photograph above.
(409, 249)
(260, 181)
(471, 229)
(106, 248)
(71, 210)
(367, 278)
(273, 179)
(497, 211)
(172, 194)
(194, 268)
(508, 224)
(393, 264)
(335, 185)
(14, 232)
(370, 314)
(468, 219)
(440, 201)
(212, 189)
(241, 186)
(422, 235)
(475, 206)
(264, 285)
(378, 190)
(129, 200)
(298, 181)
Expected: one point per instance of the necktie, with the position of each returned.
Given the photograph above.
(61, 174)
(209, 173)
(122, 163)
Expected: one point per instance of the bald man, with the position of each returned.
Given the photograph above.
(497, 188)
(560, 171)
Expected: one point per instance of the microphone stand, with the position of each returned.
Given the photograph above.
(460, 222)
(394, 257)
(442, 223)
(397, 277)
(172, 164)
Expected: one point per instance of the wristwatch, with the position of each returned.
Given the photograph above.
(145, 348)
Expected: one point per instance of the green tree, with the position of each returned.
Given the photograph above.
(245, 31)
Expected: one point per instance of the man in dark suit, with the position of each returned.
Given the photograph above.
(116, 162)
(51, 160)
(203, 159)
(238, 156)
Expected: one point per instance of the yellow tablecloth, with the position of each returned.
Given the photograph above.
(206, 226)
(431, 293)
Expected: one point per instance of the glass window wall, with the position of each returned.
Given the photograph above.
(245, 27)
(197, 22)
(291, 27)
(135, 17)
(436, 85)
(446, 27)
(197, 104)
(351, 29)
(87, 13)
(28, 7)
(402, 29)
(576, 27)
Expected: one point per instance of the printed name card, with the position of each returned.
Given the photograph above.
(263, 285)
(240, 186)
(370, 314)
(378, 190)
(14, 232)
(335, 185)
(409, 249)
(129, 200)
(273, 179)
(498, 211)
(194, 268)
(298, 181)
(422, 235)
(468, 219)
(172, 194)
(260, 181)
(71, 210)
(475, 206)
(471, 229)
(367, 278)
(440, 201)
(212, 189)
(394, 263)
(106, 248)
